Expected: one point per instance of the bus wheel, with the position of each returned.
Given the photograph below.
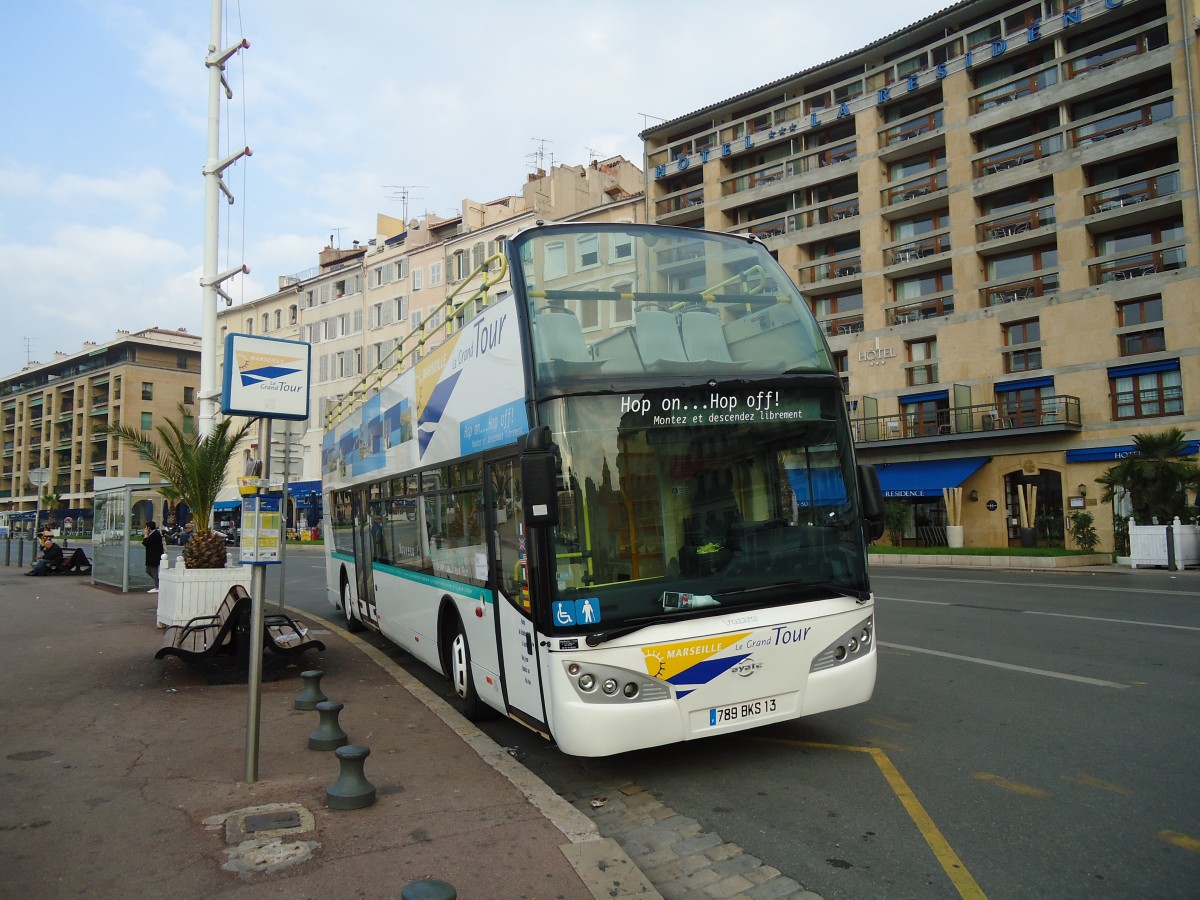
(352, 624)
(460, 674)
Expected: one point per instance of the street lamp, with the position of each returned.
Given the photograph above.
(39, 478)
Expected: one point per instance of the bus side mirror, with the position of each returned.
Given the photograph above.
(539, 479)
(871, 496)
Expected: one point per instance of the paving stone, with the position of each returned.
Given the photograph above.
(737, 865)
(727, 888)
(724, 851)
(653, 858)
(762, 873)
(777, 888)
(698, 843)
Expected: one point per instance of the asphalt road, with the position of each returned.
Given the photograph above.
(1031, 735)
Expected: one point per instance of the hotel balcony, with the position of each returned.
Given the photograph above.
(990, 421)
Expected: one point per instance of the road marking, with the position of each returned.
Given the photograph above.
(1017, 787)
(1064, 584)
(1182, 841)
(1082, 679)
(1031, 612)
(942, 851)
(1035, 612)
(891, 724)
(1094, 782)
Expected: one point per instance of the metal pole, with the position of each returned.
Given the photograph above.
(258, 589)
(287, 507)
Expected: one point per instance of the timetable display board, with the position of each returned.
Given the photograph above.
(262, 529)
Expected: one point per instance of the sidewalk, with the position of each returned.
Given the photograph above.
(124, 775)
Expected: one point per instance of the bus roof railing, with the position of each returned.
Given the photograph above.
(457, 315)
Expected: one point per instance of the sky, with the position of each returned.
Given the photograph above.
(346, 107)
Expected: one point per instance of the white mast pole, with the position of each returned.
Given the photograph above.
(210, 279)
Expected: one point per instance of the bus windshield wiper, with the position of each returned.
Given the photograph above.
(601, 637)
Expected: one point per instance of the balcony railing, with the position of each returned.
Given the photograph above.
(1121, 123)
(1019, 156)
(1003, 415)
(823, 215)
(913, 128)
(911, 190)
(674, 204)
(1025, 289)
(1143, 264)
(1013, 90)
(843, 325)
(916, 250)
(1165, 185)
(771, 229)
(924, 309)
(1007, 226)
(826, 269)
(1125, 48)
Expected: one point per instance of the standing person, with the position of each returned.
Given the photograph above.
(153, 543)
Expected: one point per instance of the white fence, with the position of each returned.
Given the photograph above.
(1148, 544)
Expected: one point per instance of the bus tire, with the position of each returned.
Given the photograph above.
(352, 624)
(459, 669)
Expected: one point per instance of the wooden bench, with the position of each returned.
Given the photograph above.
(75, 564)
(218, 646)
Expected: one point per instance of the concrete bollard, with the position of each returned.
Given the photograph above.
(351, 790)
(329, 734)
(429, 889)
(310, 695)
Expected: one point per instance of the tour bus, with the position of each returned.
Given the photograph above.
(619, 504)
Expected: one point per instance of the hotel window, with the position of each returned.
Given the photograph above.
(147, 421)
(923, 352)
(189, 395)
(621, 247)
(981, 36)
(147, 390)
(1154, 389)
(915, 165)
(1014, 265)
(622, 309)
(924, 285)
(1024, 359)
(1141, 312)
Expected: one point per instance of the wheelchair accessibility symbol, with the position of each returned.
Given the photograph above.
(577, 612)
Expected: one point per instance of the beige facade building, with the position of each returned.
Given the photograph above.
(994, 215)
(50, 414)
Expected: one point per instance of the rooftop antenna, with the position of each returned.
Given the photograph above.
(402, 194)
(594, 155)
(28, 350)
(646, 117)
(337, 231)
(537, 159)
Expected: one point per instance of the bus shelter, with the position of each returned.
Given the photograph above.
(121, 514)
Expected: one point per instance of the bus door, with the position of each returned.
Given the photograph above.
(520, 660)
(367, 531)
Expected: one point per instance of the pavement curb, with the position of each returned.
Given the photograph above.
(603, 866)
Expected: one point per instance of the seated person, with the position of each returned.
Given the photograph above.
(50, 560)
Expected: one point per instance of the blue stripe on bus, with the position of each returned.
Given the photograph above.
(445, 584)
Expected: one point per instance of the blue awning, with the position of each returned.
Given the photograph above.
(298, 488)
(226, 504)
(1117, 452)
(928, 477)
(1024, 384)
(1168, 365)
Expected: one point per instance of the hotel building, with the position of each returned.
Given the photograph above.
(994, 215)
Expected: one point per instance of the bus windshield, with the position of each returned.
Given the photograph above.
(611, 301)
(729, 495)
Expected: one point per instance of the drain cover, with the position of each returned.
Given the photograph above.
(289, 818)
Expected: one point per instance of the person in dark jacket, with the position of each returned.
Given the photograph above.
(153, 543)
(51, 558)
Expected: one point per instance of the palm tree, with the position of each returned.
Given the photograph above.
(195, 467)
(1155, 476)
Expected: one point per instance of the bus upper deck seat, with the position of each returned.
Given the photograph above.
(704, 340)
(561, 349)
(659, 342)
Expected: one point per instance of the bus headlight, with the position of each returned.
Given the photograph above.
(617, 685)
(855, 642)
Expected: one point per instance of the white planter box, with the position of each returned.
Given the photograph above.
(185, 593)
(1148, 545)
(954, 535)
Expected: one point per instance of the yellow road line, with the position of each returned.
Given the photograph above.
(1017, 787)
(1094, 782)
(1182, 841)
(949, 861)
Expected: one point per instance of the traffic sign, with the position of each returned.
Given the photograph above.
(39, 477)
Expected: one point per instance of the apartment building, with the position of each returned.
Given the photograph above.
(357, 304)
(994, 215)
(51, 413)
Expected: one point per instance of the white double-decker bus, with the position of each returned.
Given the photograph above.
(620, 504)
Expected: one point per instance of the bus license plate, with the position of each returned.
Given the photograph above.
(742, 712)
